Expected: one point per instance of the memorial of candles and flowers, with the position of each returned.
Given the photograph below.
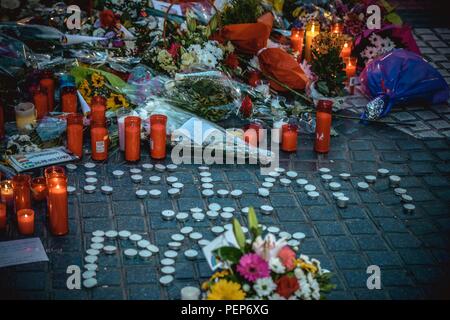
(136, 77)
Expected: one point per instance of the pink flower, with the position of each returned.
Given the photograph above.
(287, 257)
(252, 267)
(173, 50)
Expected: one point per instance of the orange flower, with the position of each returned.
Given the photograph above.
(287, 257)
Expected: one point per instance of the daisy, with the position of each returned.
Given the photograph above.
(276, 265)
(264, 286)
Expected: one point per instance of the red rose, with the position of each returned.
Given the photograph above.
(287, 257)
(232, 61)
(173, 50)
(253, 78)
(107, 19)
(246, 107)
(287, 285)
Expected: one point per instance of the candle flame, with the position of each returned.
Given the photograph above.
(312, 28)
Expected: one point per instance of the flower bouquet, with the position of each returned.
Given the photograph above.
(265, 269)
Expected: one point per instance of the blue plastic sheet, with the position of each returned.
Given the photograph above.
(402, 77)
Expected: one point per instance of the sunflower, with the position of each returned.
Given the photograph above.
(226, 290)
(84, 89)
(98, 80)
(116, 101)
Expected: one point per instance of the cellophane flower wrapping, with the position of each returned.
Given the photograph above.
(401, 76)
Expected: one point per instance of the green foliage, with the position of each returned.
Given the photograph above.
(229, 254)
(253, 224)
(239, 234)
(242, 11)
(329, 68)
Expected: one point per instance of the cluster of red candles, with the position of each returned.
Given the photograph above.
(19, 192)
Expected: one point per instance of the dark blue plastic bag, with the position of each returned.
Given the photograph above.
(401, 77)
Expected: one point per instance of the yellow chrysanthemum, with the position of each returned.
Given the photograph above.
(98, 80)
(84, 89)
(307, 266)
(116, 100)
(226, 290)
(220, 274)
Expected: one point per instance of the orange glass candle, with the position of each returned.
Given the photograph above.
(75, 134)
(22, 191)
(54, 171)
(98, 110)
(3, 216)
(158, 137)
(346, 50)
(253, 133)
(2, 122)
(350, 67)
(337, 28)
(57, 204)
(297, 40)
(48, 83)
(289, 137)
(69, 100)
(132, 138)
(39, 188)
(323, 126)
(7, 192)
(99, 141)
(312, 30)
(40, 100)
(25, 221)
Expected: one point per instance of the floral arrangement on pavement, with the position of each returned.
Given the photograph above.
(265, 269)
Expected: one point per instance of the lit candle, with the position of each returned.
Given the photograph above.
(323, 126)
(313, 29)
(7, 192)
(297, 40)
(289, 137)
(158, 137)
(39, 188)
(22, 193)
(132, 138)
(57, 202)
(25, 116)
(2, 216)
(346, 50)
(69, 100)
(337, 28)
(25, 221)
(75, 134)
(350, 67)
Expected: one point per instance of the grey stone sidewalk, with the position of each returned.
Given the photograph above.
(413, 251)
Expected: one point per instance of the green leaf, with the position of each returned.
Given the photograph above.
(239, 234)
(230, 254)
(253, 222)
(394, 19)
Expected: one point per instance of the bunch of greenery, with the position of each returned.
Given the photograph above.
(242, 11)
(327, 64)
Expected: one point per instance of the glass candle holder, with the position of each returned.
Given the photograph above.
(158, 137)
(69, 100)
(39, 188)
(289, 137)
(48, 83)
(297, 36)
(323, 126)
(25, 221)
(253, 133)
(312, 30)
(22, 191)
(99, 141)
(346, 50)
(121, 115)
(350, 67)
(98, 110)
(40, 100)
(54, 171)
(337, 28)
(132, 138)
(25, 116)
(75, 134)
(57, 204)
(3, 216)
(7, 192)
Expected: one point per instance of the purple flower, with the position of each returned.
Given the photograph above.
(252, 267)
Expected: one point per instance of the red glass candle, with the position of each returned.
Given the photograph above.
(253, 133)
(289, 137)
(99, 141)
(323, 126)
(132, 138)
(54, 171)
(2, 122)
(57, 203)
(346, 50)
(75, 134)
(98, 110)
(337, 28)
(7, 191)
(297, 36)
(3, 216)
(22, 194)
(40, 100)
(350, 67)
(48, 83)
(25, 221)
(69, 100)
(39, 188)
(158, 137)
